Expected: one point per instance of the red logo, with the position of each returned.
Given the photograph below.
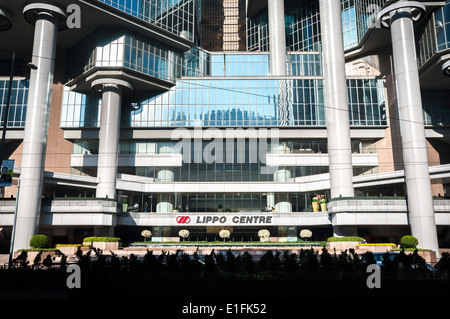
(183, 219)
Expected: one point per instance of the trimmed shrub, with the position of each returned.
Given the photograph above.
(348, 238)
(408, 241)
(39, 241)
(101, 239)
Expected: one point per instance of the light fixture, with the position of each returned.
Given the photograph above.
(32, 66)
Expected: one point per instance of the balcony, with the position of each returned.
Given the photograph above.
(380, 211)
(67, 212)
(315, 159)
(135, 160)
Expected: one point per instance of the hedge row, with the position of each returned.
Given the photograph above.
(101, 239)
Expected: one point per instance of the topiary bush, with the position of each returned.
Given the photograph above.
(39, 241)
(408, 241)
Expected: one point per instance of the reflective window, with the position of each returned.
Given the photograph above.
(367, 103)
(436, 107)
(217, 202)
(304, 64)
(235, 102)
(116, 48)
(222, 102)
(79, 110)
(349, 30)
(442, 24)
(175, 16)
(303, 26)
(366, 13)
(239, 64)
(18, 102)
(302, 22)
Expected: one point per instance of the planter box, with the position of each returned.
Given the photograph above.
(375, 248)
(72, 250)
(103, 245)
(68, 250)
(32, 254)
(342, 245)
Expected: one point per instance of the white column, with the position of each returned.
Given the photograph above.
(277, 37)
(399, 17)
(46, 19)
(112, 91)
(336, 102)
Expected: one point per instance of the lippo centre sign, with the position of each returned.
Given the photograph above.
(244, 219)
(228, 219)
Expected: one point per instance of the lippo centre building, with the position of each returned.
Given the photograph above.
(163, 115)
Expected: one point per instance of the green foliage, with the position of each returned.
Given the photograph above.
(101, 239)
(409, 241)
(39, 241)
(348, 238)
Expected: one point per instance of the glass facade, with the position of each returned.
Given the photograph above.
(116, 48)
(228, 102)
(18, 102)
(235, 102)
(367, 102)
(222, 25)
(302, 22)
(175, 16)
(434, 36)
(436, 107)
(258, 33)
(302, 26)
(79, 110)
(239, 65)
(442, 23)
(285, 146)
(210, 202)
(349, 27)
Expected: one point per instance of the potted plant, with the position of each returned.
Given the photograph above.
(219, 208)
(315, 204)
(323, 205)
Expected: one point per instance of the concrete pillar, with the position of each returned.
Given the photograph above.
(340, 231)
(336, 101)
(271, 200)
(112, 91)
(277, 37)
(46, 19)
(399, 18)
(165, 204)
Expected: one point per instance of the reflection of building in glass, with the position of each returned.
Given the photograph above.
(229, 106)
